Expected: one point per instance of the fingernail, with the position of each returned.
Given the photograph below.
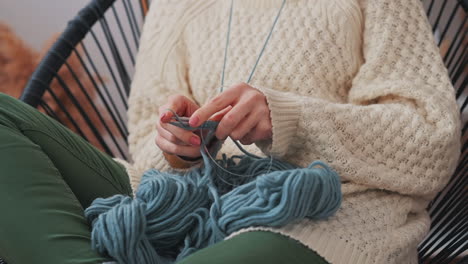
(195, 141)
(194, 121)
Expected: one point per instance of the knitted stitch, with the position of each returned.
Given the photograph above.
(358, 84)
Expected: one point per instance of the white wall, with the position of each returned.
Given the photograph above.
(35, 21)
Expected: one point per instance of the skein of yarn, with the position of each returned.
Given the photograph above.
(174, 214)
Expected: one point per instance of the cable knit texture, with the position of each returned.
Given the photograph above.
(358, 84)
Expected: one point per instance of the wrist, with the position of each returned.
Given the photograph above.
(190, 159)
(177, 162)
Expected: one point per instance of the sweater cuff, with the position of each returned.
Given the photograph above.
(285, 111)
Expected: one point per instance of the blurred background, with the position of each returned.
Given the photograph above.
(36, 21)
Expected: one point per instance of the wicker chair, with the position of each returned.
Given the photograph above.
(93, 101)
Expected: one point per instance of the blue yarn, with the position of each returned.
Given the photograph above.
(173, 214)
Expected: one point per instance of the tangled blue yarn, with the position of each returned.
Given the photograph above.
(174, 214)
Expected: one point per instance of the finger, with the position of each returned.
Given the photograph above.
(213, 106)
(171, 148)
(166, 134)
(232, 119)
(263, 130)
(244, 127)
(219, 115)
(186, 136)
(247, 129)
(170, 137)
(248, 138)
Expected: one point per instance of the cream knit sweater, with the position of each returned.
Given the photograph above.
(358, 84)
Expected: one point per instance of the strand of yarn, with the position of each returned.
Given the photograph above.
(228, 37)
(225, 169)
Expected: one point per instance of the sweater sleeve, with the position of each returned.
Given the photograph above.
(399, 129)
(160, 72)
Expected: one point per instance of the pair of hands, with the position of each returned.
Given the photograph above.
(242, 111)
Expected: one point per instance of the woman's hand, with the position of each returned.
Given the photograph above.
(175, 140)
(249, 119)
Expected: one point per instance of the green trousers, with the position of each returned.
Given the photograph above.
(48, 175)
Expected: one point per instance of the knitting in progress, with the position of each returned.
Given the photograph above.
(172, 215)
